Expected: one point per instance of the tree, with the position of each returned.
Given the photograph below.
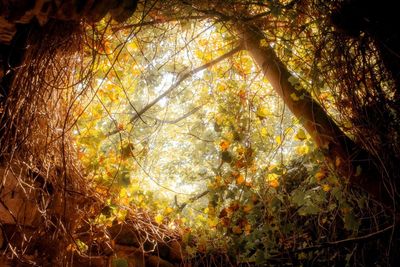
(350, 160)
(178, 79)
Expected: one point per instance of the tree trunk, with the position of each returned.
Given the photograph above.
(338, 148)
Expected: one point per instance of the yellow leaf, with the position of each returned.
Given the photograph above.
(294, 97)
(229, 136)
(302, 150)
(262, 112)
(168, 210)
(212, 222)
(272, 176)
(326, 187)
(300, 135)
(132, 46)
(263, 43)
(221, 87)
(278, 140)
(240, 179)
(264, 132)
(241, 150)
(272, 179)
(159, 218)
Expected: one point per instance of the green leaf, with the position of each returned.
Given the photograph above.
(120, 262)
(309, 210)
(298, 197)
(260, 258)
(351, 223)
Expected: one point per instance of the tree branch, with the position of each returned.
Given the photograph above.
(346, 241)
(179, 81)
(177, 119)
(190, 200)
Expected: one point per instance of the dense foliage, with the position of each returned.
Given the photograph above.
(179, 121)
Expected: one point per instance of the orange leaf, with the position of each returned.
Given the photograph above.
(224, 145)
(320, 175)
(274, 183)
(240, 180)
(236, 229)
(247, 208)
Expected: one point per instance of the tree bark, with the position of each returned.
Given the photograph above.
(338, 148)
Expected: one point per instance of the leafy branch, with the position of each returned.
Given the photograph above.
(182, 78)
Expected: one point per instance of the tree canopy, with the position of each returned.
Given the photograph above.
(264, 132)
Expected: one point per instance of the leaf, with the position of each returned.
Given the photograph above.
(224, 145)
(278, 140)
(293, 80)
(168, 210)
(302, 150)
(301, 135)
(240, 180)
(272, 179)
(212, 222)
(264, 43)
(247, 228)
(263, 112)
(310, 209)
(326, 187)
(274, 183)
(159, 218)
(294, 97)
(351, 222)
(320, 175)
(236, 229)
(248, 207)
(298, 197)
(264, 132)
